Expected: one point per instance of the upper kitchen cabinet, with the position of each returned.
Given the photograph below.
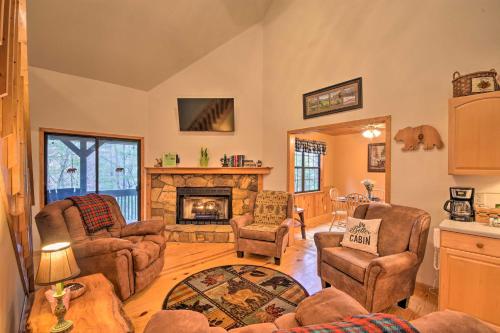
(474, 135)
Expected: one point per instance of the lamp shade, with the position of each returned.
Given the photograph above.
(57, 264)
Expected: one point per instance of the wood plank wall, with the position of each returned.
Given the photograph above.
(315, 203)
(16, 181)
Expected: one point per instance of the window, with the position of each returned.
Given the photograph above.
(307, 172)
(80, 164)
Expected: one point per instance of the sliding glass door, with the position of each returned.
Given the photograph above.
(118, 174)
(81, 164)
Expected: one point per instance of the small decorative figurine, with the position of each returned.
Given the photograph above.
(259, 163)
(224, 161)
(159, 162)
(412, 137)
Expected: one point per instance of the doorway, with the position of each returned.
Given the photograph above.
(355, 151)
(78, 163)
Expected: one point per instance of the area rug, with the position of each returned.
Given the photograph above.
(237, 295)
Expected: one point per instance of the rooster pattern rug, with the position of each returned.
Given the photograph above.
(237, 295)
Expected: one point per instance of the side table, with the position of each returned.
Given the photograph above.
(300, 213)
(97, 310)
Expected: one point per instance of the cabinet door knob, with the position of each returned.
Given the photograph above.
(480, 245)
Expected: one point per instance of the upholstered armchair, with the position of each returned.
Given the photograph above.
(129, 255)
(265, 230)
(377, 282)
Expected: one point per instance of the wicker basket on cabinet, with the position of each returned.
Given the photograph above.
(462, 84)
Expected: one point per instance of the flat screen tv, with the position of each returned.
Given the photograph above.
(206, 114)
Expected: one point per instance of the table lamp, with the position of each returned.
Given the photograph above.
(57, 264)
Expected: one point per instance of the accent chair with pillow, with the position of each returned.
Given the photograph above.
(376, 281)
(131, 255)
(265, 230)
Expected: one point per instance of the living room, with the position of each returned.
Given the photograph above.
(322, 96)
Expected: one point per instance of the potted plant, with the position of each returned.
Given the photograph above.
(204, 157)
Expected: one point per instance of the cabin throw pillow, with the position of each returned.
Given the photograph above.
(362, 234)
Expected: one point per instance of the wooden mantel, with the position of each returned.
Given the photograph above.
(208, 171)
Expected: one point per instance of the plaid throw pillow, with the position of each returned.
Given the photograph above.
(94, 210)
(370, 323)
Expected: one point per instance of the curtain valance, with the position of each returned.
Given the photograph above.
(310, 146)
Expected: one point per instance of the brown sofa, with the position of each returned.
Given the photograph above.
(377, 282)
(129, 255)
(327, 306)
(265, 230)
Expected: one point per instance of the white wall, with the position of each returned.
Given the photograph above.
(232, 70)
(406, 52)
(70, 102)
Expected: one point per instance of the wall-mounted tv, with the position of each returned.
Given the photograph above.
(206, 114)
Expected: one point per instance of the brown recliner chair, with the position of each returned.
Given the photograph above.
(377, 282)
(265, 230)
(129, 255)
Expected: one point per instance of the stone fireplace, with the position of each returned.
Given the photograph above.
(204, 205)
(165, 184)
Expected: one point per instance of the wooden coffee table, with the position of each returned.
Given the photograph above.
(97, 310)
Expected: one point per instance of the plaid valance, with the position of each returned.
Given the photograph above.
(310, 146)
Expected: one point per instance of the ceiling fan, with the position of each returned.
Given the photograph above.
(372, 131)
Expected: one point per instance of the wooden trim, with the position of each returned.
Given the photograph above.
(83, 133)
(142, 173)
(388, 158)
(360, 122)
(148, 197)
(209, 171)
(41, 168)
(290, 162)
(352, 123)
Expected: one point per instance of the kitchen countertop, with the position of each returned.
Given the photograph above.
(471, 228)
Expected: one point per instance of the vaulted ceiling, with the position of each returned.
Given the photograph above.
(134, 43)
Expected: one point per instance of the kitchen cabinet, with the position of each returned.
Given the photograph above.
(474, 135)
(470, 273)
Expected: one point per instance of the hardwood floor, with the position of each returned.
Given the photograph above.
(184, 259)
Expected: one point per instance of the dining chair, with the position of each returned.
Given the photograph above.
(353, 200)
(350, 202)
(339, 208)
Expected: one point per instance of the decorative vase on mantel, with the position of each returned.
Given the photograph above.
(204, 157)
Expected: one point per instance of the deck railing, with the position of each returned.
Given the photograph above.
(127, 199)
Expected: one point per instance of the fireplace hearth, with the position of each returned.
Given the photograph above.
(204, 205)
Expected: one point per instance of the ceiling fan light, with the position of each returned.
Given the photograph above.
(376, 133)
(368, 134)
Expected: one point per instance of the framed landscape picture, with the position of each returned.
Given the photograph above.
(376, 157)
(337, 98)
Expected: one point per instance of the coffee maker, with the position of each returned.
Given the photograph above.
(461, 204)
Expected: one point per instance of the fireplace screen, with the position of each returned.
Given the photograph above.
(206, 205)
